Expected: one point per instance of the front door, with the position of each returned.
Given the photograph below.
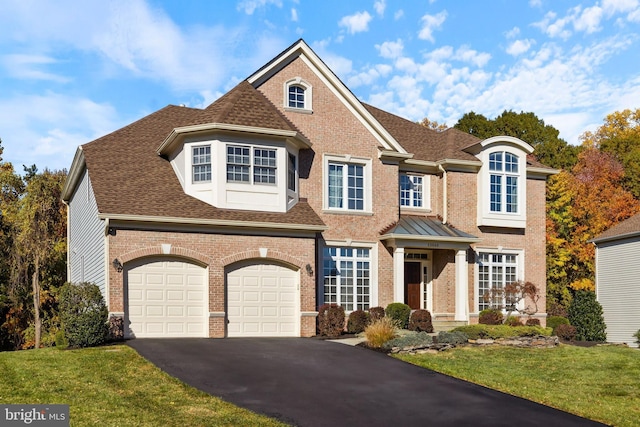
(412, 281)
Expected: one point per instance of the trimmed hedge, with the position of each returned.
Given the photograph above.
(513, 321)
(475, 332)
(358, 320)
(330, 320)
(451, 337)
(532, 321)
(554, 321)
(491, 316)
(399, 313)
(585, 314)
(417, 339)
(83, 316)
(565, 332)
(376, 313)
(420, 320)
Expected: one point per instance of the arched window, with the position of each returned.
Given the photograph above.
(297, 95)
(504, 174)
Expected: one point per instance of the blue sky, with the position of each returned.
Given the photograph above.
(72, 71)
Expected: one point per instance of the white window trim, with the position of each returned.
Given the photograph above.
(373, 267)
(426, 193)
(252, 165)
(486, 217)
(193, 165)
(367, 175)
(520, 263)
(308, 95)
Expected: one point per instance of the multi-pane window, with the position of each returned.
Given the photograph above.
(296, 96)
(241, 160)
(291, 172)
(346, 275)
(494, 272)
(503, 193)
(346, 186)
(201, 163)
(411, 191)
(264, 169)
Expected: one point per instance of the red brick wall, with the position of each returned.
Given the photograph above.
(216, 251)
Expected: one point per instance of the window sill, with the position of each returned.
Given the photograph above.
(407, 209)
(347, 212)
(298, 110)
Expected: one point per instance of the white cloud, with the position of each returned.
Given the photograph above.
(294, 15)
(615, 6)
(46, 129)
(431, 23)
(466, 54)
(356, 23)
(380, 6)
(512, 33)
(249, 6)
(535, 3)
(518, 47)
(589, 20)
(390, 49)
(399, 14)
(27, 67)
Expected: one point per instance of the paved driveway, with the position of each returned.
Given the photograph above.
(309, 382)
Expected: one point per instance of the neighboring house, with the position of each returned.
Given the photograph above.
(617, 272)
(242, 218)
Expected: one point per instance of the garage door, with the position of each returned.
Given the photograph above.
(262, 301)
(166, 298)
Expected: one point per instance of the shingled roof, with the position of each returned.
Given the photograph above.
(129, 178)
(627, 228)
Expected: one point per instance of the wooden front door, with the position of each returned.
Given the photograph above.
(412, 284)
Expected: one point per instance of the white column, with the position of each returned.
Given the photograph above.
(398, 275)
(462, 286)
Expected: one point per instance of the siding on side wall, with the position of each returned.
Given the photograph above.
(618, 288)
(86, 237)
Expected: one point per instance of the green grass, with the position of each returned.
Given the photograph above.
(113, 386)
(600, 383)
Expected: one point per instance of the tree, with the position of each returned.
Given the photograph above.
(580, 205)
(40, 239)
(549, 148)
(620, 137)
(438, 127)
(585, 314)
(520, 297)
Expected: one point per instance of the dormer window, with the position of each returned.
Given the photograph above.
(298, 95)
(201, 163)
(503, 172)
(241, 160)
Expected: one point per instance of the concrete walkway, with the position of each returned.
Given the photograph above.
(309, 382)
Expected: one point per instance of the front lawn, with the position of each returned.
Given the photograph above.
(600, 383)
(113, 386)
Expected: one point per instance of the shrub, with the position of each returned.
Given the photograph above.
(418, 339)
(380, 331)
(452, 337)
(513, 321)
(83, 315)
(398, 312)
(501, 331)
(532, 321)
(585, 314)
(358, 320)
(565, 332)
(376, 313)
(490, 316)
(637, 337)
(420, 320)
(116, 328)
(554, 321)
(330, 320)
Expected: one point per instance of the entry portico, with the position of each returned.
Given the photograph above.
(416, 239)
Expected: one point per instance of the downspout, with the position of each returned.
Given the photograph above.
(444, 193)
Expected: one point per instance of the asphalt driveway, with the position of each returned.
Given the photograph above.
(308, 382)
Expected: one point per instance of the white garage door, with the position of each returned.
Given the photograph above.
(166, 298)
(262, 301)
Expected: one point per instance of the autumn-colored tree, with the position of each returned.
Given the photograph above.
(620, 137)
(432, 124)
(581, 204)
(549, 148)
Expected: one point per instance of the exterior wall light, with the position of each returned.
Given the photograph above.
(117, 265)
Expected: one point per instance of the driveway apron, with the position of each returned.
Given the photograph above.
(309, 382)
